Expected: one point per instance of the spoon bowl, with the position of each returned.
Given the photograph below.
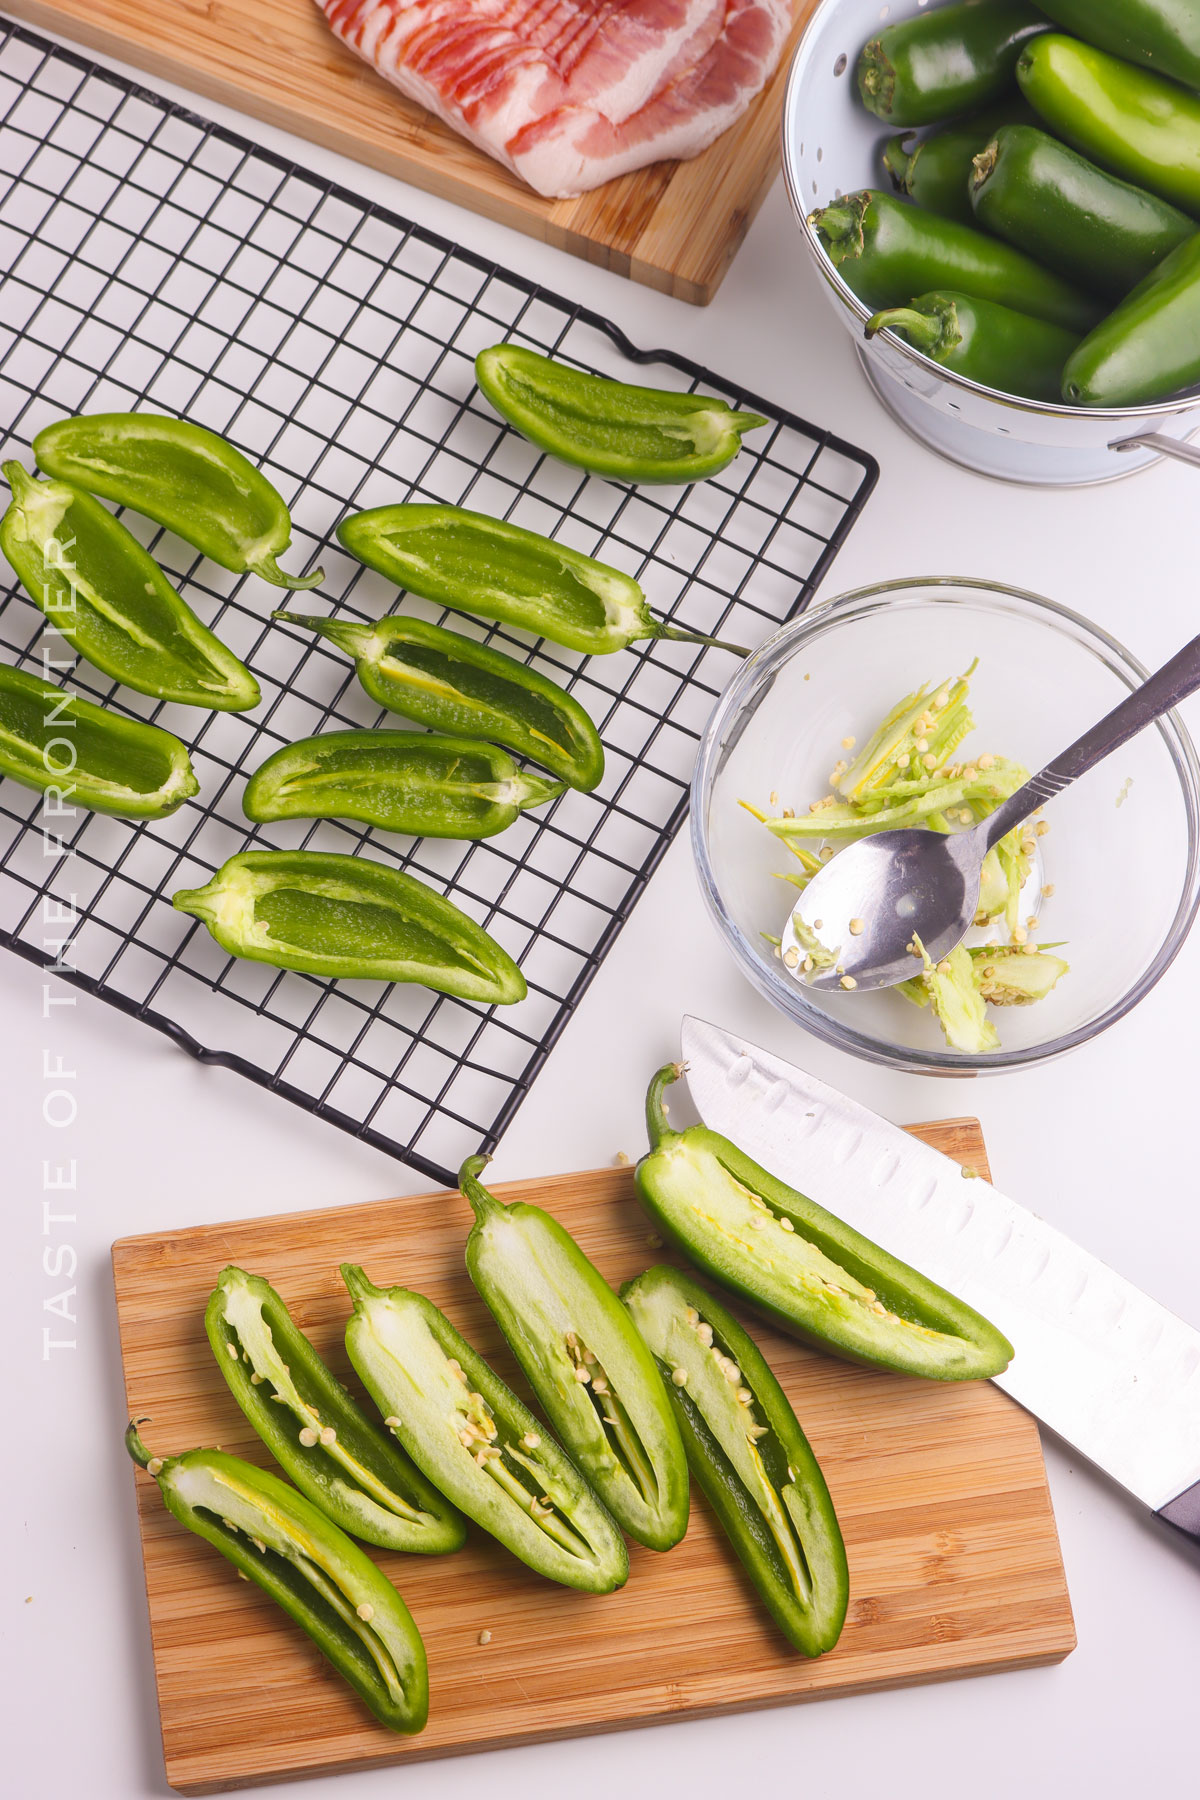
(866, 904)
(915, 893)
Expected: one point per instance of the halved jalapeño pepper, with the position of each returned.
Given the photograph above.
(318, 1575)
(182, 476)
(476, 1441)
(111, 601)
(60, 743)
(596, 1382)
(315, 1430)
(407, 781)
(746, 1449)
(453, 683)
(477, 564)
(348, 917)
(638, 434)
(800, 1265)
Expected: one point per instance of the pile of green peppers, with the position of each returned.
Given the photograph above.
(640, 1393)
(1051, 248)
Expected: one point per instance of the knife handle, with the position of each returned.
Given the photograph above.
(1184, 1511)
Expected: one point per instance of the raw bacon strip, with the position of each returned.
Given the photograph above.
(570, 95)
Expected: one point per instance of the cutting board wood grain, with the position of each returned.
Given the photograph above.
(674, 226)
(940, 1489)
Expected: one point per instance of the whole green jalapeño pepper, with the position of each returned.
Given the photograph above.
(596, 1381)
(58, 743)
(476, 564)
(637, 434)
(799, 1264)
(1052, 203)
(110, 599)
(886, 252)
(455, 684)
(1162, 34)
(993, 345)
(1139, 125)
(934, 171)
(183, 477)
(1149, 347)
(406, 781)
(319, 1576)
(475, 1440)
(347, 917)
(746, 1449)
(315, 1430)
(944, 61)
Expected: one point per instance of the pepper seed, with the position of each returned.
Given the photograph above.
(328, 1435)
(154, 1466)
(485, 1637)
(679, 1377)
(366, 1612)
(231, 1350)
(308, 1437)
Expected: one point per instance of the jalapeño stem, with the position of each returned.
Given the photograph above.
(663, 630)
(657, 1124)
(922, 332)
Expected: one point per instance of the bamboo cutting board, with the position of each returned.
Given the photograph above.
(940, 1489)
(673, 226)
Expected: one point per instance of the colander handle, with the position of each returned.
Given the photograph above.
(1166, 446)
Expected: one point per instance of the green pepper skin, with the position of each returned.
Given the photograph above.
(51, 739)
(886, 252)
(1138, 125)
(746, 1448)
(183, 477)
(406, 781)
(1162, 34)
(944, 61)
(1056, 206)
(346, 917)
(359, 1478)
(595, 1380)
(111, 601)
(934, 171)
(637, 434)
(1000, 349)
(473, 563)
(318, 1575)
(816, 1277)
(455, 684)
(475, 1440)
(1149, 348)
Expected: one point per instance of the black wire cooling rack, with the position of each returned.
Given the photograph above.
(152, 259)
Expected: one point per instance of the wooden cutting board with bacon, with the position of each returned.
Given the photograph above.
(674, 226)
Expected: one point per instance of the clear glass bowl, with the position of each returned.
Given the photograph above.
(1121, 853)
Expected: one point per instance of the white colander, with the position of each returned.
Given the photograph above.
(831, 146)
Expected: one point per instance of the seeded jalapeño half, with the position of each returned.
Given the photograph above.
(596, 1381)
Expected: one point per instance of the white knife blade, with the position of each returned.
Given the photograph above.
(1106, 1367)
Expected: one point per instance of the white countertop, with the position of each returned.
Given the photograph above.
(1101, 1143)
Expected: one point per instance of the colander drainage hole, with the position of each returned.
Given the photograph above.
(839, 67)
(820, 153)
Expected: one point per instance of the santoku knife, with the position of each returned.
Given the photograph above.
(1103, 1365)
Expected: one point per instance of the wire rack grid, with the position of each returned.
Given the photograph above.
(151, 259)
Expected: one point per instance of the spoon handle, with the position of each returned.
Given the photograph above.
(1165, 689)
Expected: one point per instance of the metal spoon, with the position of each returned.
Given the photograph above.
(895, 883)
